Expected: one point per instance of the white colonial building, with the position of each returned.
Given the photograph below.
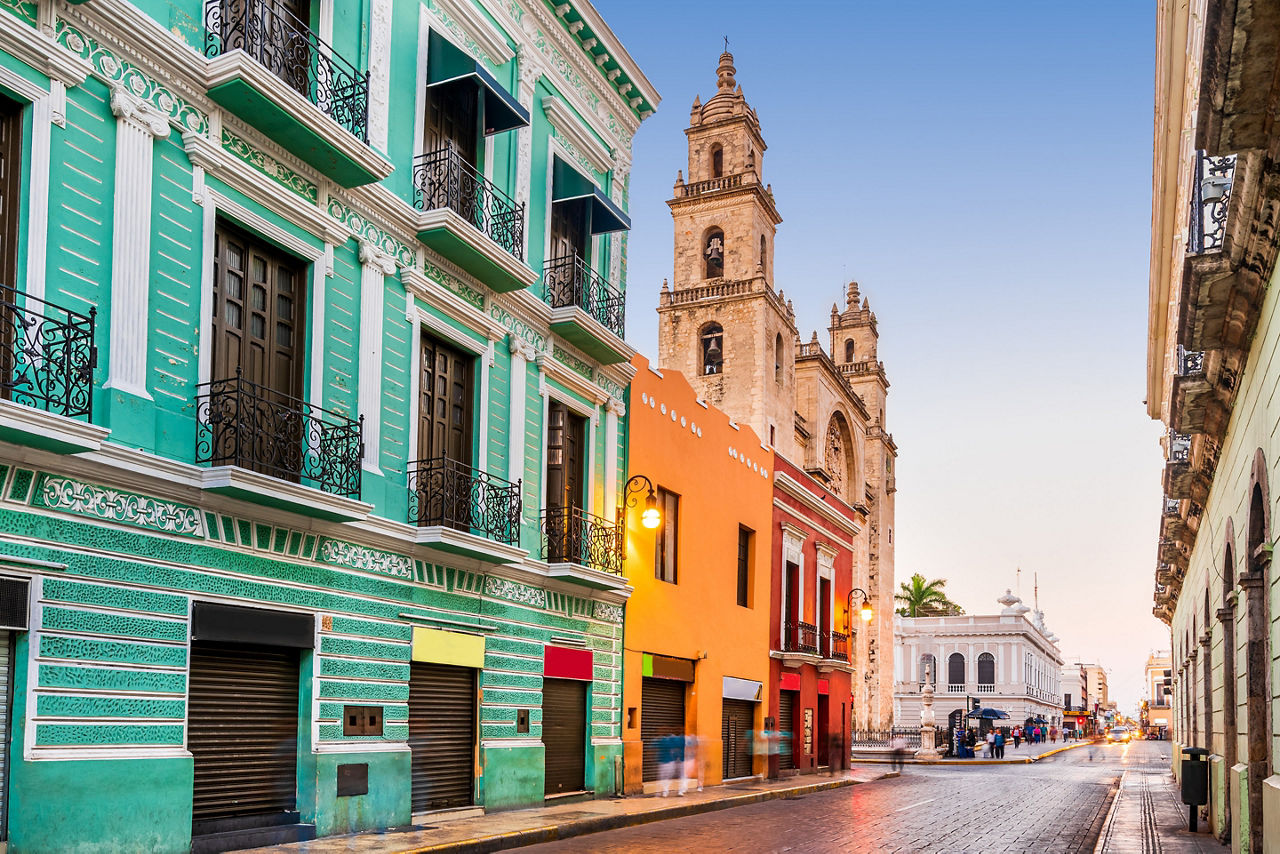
(1007, 661)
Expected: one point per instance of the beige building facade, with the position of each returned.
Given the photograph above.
(1212, 380)
(725, 323)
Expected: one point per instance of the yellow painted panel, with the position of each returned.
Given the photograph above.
(440, 647)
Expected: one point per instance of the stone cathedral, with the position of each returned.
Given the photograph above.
(725, 323)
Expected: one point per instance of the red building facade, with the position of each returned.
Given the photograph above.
(813, 629)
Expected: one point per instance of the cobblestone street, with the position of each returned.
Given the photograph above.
(1056, 805)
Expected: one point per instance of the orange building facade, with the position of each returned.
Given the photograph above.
(696, 644)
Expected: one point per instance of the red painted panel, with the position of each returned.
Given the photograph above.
(562, 662)
(824, 687)
(789, 682)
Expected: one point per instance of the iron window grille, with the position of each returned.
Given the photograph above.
(571, 535)
(47, 355)
(279, 41)
(570, 281)
(450, 494)
(443, 179)
(241, 423)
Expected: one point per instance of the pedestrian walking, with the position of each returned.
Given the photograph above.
(1017, 737)
(999, 745)
(899, 745)
(1053, 735)
(670, 761)
(989, 752)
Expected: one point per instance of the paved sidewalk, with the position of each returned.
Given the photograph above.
(503, 830)
(1148, 816)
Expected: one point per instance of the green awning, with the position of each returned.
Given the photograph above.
(448, 63)
(568, 184)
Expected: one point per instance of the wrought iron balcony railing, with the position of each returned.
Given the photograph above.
(447, 493)
(47, 355)
(839, 649)
(443, 179)
(570, 281)
(1210, 200)
(571, 535)
(241, 423)
(800, 637)
(286, 46)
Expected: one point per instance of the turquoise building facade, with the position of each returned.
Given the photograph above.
(312, 432)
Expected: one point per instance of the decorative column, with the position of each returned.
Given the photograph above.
(614, 409)
(379, 72)
(522, 353)
(374, 269)
(138, 126)
(928, 746)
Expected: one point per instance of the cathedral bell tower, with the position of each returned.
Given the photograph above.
(721, 322)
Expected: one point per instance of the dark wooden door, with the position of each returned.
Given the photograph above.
(442, 730)
(257, 312)
(566, 446)
(569, 229)
(451, 119)
(10, 190)
(787, 730)
(242, 730)
(737, 718)
(564, 735)
(444, 402)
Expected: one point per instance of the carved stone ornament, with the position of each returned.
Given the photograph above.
(126, 105)
(522, 348)
(835, 457)
(371, 256)
(616, 406)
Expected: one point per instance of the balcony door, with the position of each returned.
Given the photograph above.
(10, 193)
(444, 403)
(276, 33)
(257, 313)
(566, 447)
(451, 119)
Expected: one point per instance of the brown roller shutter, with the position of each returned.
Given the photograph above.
(242, 730)
(564, 734)
(442, 735)
(737, 719)
(661, 713)
(787, 728)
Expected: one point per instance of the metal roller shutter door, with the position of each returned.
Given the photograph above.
(737, 718)
(242, 729)
(787, 726)
(442, 735)
(6, 698)
(661, 713)
(564, 734)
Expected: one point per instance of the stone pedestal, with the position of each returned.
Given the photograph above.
(928, 749)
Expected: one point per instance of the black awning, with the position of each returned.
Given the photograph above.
(568, 184)
(448, 63)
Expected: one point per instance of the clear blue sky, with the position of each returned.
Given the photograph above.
(984, 171)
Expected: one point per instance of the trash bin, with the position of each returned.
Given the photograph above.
(1195, 781)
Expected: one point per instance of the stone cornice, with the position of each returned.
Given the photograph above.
(789, 486)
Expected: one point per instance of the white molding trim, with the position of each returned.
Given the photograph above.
(314, 252)
(450, 541)
(447, 302)
(68, 432)
(488, 37)
(793, 488)
(379, 51)
(207, 154)
(566, 122)
(291, 495)
(237, 65)
(322, 747)
(374, 269)
(522, 353)
(41, 52)
(574, 314)
(575, 382)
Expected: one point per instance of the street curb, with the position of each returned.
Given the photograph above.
(583, 827)
(1105, 834)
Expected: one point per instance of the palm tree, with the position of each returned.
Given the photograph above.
(922, 598)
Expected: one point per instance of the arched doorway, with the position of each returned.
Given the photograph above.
(1227, 619)
(1256, 583)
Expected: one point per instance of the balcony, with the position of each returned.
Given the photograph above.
(955, 687)
(464, 511)
(800, 637)
(985, 689)
(274, 449)
(468, 220)
(47, 359)
(586, 309)
(269, 68)
(582, 547)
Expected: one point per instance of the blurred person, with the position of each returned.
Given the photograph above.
(1017, 736)
(999, 745)
(899, 746)
(670, 761)
(989, 751)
